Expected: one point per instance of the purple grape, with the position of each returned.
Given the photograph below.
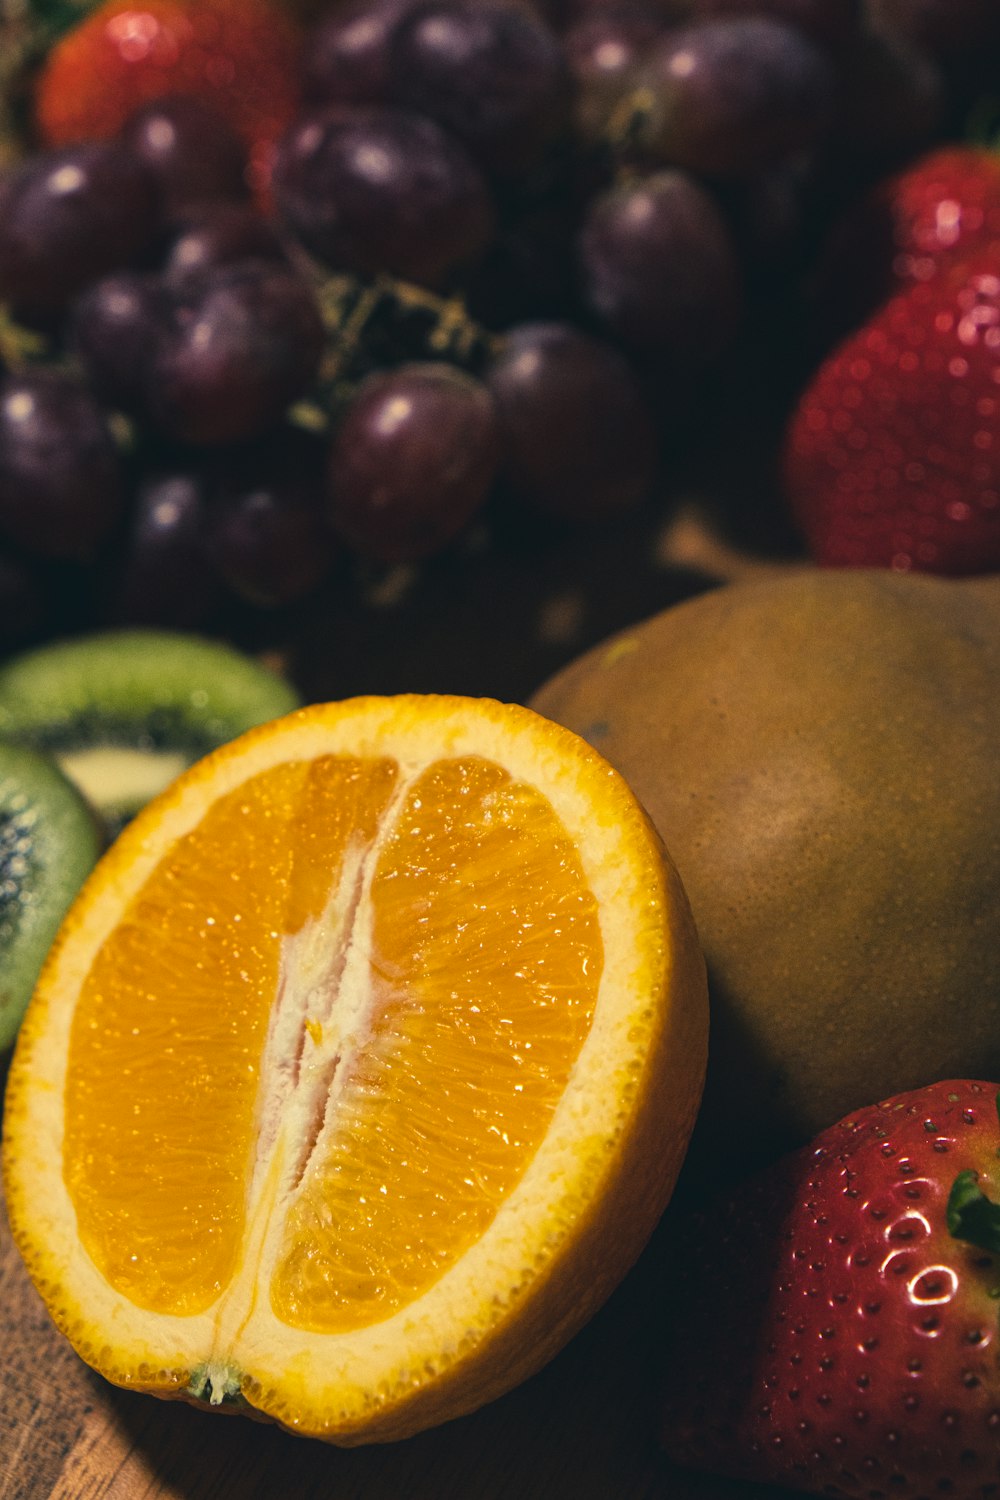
(239, 350)
(605, 50)
(833, 23)
(347, 57)
(191, 150)
(60, 478)
(163, 575)
(412, 461)
(218, 234)
(116, 328)
(378, 190)
(727, 97)
(492, 74)
(68, 217)
(577, 438)
(660, 268)
(268, 534)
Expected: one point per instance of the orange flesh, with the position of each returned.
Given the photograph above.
(480, 978)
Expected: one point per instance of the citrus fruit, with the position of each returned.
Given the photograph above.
(361, 1069)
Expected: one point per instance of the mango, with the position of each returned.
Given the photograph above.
(819, 752)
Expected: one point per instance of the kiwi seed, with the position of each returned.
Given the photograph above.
(49, 841)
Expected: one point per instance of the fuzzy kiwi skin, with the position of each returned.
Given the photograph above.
(819, 755)
(49, 842)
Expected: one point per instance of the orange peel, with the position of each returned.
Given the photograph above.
(361, 1069)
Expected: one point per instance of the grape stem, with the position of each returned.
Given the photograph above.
(626, 124)
(377, 323)
(20, 346)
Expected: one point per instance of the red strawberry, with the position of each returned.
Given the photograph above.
(911, 225)
(241, 56)
(837, 1325)
(941, 208)
(892, 457)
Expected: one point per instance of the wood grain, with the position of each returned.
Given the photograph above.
(583, 1429)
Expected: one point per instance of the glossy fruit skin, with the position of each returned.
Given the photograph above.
(490, 73)
(347, 55)
(374, 190)
(68, 217)
(218, 234)
(162, 572)
(910, 225)
(191, 150)
(115, 328)
(941, 207)
(240, 349)
(61, 484)
(412, 461)
(605, 50)
(936, 210)
(577, 438)
(660, 268)
(731, 95)
(833, 1336)
(241, 56)
(845, 883)
(889, 457)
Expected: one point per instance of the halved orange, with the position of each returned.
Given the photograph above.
(361, 1069)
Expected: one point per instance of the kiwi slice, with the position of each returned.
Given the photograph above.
(49, 842)
(125, 711)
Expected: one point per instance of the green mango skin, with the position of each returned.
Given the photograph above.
(820, 754)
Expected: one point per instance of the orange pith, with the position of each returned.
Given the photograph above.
(475, 997)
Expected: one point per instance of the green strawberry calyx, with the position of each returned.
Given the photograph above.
(970, 1215)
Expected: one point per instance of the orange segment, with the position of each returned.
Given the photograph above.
(162, 1082)
(175, 1011)
(343, 800)
(486, 958)
(361, 1069)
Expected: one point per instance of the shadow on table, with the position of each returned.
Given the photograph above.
(582, 1429)
(497, 623)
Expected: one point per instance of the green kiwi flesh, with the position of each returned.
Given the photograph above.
(124, 712)
(49, 842)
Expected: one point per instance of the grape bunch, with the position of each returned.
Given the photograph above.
(503, 253)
